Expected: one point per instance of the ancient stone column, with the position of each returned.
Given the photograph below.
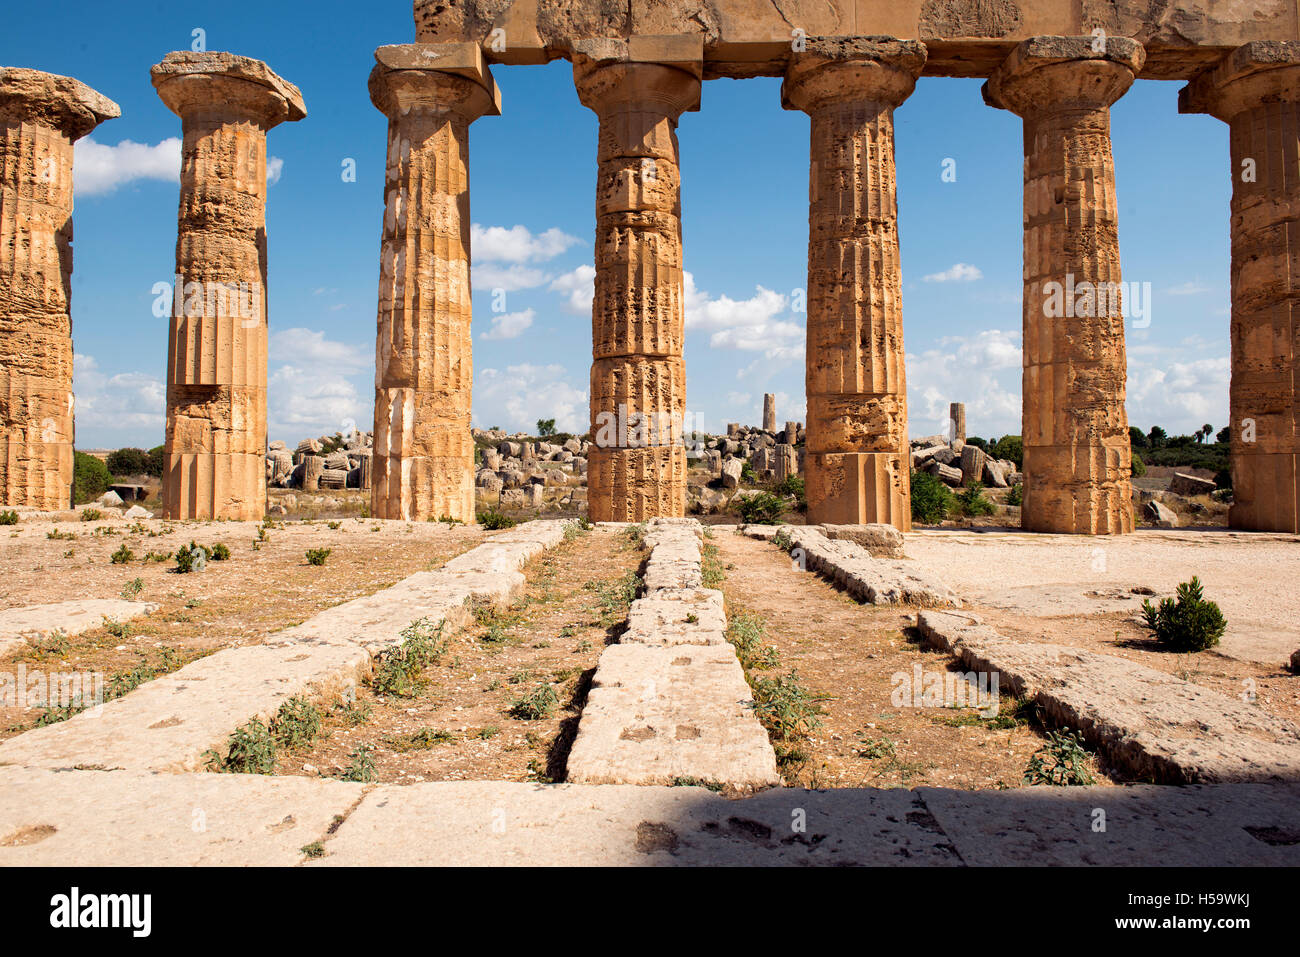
(637, 463)
(216, 351)
(857, 462)
(41, 116)
(1075, 428)
(423, 458)
(1256, 91)
(957, 418)
(769, 412)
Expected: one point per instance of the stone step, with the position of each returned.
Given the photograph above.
(69, 617)
(129, 818)
(1153, 725)
(171, 722)
(671, 701)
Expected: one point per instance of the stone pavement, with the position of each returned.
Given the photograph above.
(125, 818)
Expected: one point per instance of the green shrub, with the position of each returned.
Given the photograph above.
(398, 670)
(785, 707)
(90, 478)
(132, 588)
(296, 723)
(537, 704)
(91, 515)
(492, 520)
(362, 767)
(1062, 762)
(252, 749)
(747, 473)
(1139, 467)
(191, 558)
(973, 502)
(931, 499)
(220, 552)
(154, 466)
(317, 556)
(8, 518)
(1009, 447)
(793, 485)
(759, 508)
(123, 556)
(1017, 495)
(126, 462)
(1187, 623)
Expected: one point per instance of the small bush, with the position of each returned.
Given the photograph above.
(1139, 467)
(8, 518)
(362, 767)
(973, 502)
(317, 556)
(747, 633)
(493, 519)
(132, 588)
(90, 478)
(91, 515)
(1062, 762)
(220, 552)
(128, 462)
(398, 669)
(785, 707)
(1187, 622)
(252, 750)
(296, 723)
(190, 558)
(759, 508)
(793, 485)
(123, 556)
(931, 499)
(537, 704)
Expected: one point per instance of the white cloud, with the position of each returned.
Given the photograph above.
(509, 278)
(517, 244)
(516, 398)
(315, 391)
(725, 313)
(510, 325)
(958, 272)
(578, 288)
(1178, 391)
(1192, 288)
(983, 371)
(747, 325)
(129, 408)
(98, 168)
(306, 345)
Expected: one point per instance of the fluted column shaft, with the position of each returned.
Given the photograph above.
(215, 455)
(41, 116)
(857, 464)
(1075, 428)
(423, 464)
(637, 462)
(1256, 91)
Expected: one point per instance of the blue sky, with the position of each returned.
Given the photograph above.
(745, 176)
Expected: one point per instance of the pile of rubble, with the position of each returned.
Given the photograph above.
(310, 467)
(516, 471)
(957, 462)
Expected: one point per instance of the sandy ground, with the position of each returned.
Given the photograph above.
(1252, 575)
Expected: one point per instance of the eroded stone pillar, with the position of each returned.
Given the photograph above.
(41, 116)
(1075, 428)
(1256, 91)
(637, 463)
(215, 452)
(857, 464)
(423, 459)
(769, 412)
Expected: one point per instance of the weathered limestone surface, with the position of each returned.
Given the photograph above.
(41, 116)
(128, 818)
(1077, 455)
(1154, 725)
(215, 458)
(423, 461)
(670, 701)
(1256, 91)
(769, 412)
(966, 37)
(877, 581)
(857, 463)
(637, 464)
(69, 617)
(170, 722)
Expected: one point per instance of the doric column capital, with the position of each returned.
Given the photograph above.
(661, 74)
(59, 102)
(434, 78)
(197, 84)
(880, 70)
(1264, 71)
(1046, 74)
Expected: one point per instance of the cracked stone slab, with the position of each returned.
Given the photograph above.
(70, 617)
(132, 818)
(1222, 825)
(659, 713)
(666, 618)
(461, 823)
(1154, 725)
(171, 723)
(877, 581)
